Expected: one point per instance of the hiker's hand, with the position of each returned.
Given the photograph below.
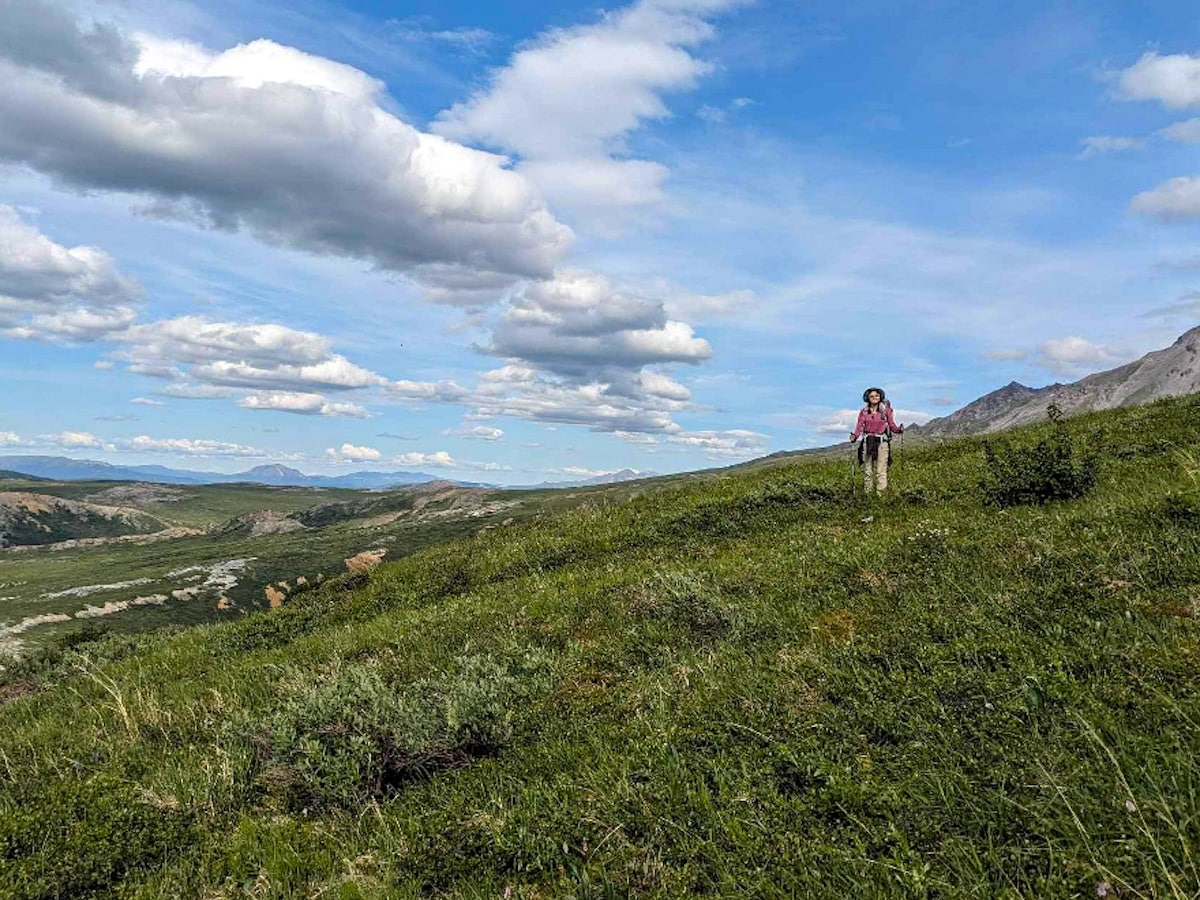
(852, 439)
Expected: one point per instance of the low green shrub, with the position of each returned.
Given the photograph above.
(354, 737)
(1054, 468)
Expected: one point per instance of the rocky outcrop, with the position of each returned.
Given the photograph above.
(256, 524)
(365, 561)
(28, 519)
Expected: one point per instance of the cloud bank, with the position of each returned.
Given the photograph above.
(295, 149)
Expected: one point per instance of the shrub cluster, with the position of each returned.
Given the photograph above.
(351, 738)
(1054, 468)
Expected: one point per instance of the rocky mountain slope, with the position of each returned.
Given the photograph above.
(1169, 372)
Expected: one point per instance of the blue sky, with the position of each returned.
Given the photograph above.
(511, 243)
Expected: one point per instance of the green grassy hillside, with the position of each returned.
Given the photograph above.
(756, 684)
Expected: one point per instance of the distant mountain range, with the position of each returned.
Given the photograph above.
(60, 468)
(1170, 372)
(610, 478)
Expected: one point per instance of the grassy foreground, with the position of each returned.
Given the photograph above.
(756, 684)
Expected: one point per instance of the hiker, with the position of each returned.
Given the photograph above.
(876, 425)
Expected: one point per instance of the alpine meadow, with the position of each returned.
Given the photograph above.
(679, 691)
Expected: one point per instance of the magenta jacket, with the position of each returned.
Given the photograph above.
(875, 423)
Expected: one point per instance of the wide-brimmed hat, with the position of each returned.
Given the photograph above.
(882, 394)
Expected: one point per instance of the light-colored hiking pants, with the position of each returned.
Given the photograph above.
(875, 472)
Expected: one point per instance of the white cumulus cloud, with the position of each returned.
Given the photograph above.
(351, 453)
(74, 439)
(192, 447)
(1178, 198)
(1172, 80)
(1185, 132)
(439, 459)
(566, 102)
(737, 443)
(578, 324)
(1075, 355)
(285, 368)
(72, 292)
(302, 404)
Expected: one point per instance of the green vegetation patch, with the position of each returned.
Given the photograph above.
(348, 737)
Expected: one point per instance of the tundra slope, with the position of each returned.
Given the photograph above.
(752, 684)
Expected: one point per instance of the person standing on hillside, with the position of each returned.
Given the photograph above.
(876, 425)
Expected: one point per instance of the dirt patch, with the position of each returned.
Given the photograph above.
(167, 534)
(384, 519)
(32, 503)
(219, 578)
(880, 582)
(425, 499)
(85, 590)
(365, 561)
(257, 524)
(116, 606)
(1176, 607)
(40, 504)
(275, 597)
(10, 643)
(16, 689)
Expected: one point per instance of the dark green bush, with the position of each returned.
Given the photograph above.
(1054, 468)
